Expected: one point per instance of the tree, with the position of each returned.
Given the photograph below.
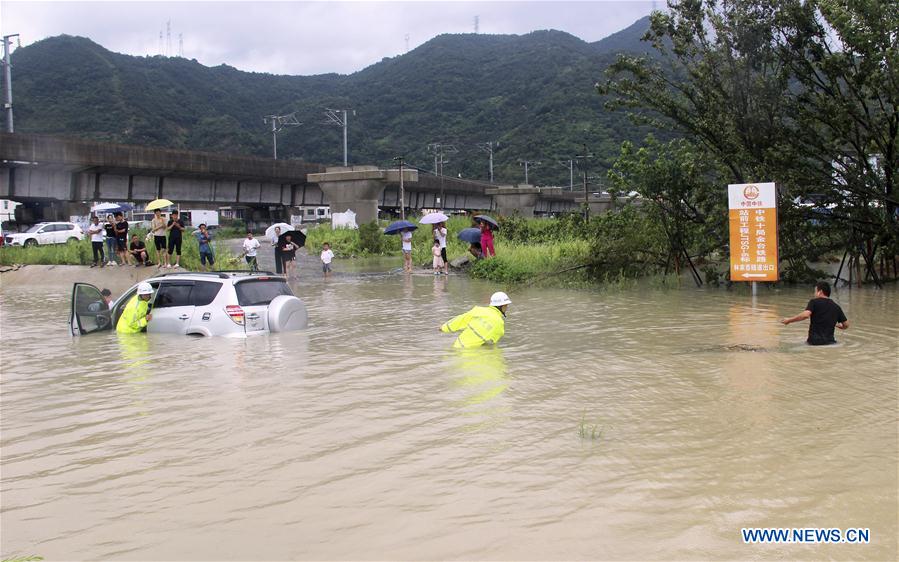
(800, 92)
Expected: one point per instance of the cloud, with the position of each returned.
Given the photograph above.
(301, 37)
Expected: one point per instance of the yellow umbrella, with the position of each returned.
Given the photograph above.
(158, 204)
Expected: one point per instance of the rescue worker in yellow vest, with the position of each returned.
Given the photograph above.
(482, 324)
(136, 313)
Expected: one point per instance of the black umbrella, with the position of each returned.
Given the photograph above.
(296, 237)
(489, 220)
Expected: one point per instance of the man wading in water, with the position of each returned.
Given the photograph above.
(825, 315)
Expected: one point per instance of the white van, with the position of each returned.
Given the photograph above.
(196, 217)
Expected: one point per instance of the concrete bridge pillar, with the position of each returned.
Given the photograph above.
(521, 200)
(357, 188)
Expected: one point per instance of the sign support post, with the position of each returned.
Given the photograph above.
(752, 217)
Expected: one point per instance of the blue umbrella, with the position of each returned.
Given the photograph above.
(399, 226)
(470, 235)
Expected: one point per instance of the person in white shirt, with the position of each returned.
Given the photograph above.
(250, 245)
(96, 232)
(440, 235)
(406, 237)
(327, 256)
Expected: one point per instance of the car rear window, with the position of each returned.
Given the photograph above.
(258, 292)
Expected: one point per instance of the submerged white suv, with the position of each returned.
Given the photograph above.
(203, 304)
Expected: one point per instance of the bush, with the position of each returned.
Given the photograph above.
(371, 238)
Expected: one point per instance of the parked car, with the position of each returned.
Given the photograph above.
(46, 233)
(236, 304)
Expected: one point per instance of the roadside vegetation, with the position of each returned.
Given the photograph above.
(801, 93)
(80, 253)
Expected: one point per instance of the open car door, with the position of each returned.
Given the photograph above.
(90, 313)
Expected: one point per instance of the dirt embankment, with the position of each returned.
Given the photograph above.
(116, 279)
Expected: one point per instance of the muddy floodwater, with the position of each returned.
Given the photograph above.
(637, 424)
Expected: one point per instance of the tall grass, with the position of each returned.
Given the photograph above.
(80, 253)
(346, 242)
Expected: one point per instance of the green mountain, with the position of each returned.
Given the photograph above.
(533, 94)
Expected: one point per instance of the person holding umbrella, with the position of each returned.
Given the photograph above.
(480, 325)
(109, 229)
(488, 225)
(157, 228)
(404, 229)
(473, 237)
(289, 255)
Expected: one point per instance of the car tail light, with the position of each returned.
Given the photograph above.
(236, 314)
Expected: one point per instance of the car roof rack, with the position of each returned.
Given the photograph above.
(177, 273)
(247, 271)
(222, 274)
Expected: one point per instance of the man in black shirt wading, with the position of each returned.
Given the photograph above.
(825, 315)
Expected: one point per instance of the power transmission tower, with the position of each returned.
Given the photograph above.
(582, 162)
(161, 44)
(477, 24)
(527, 163)
(279, 122)
(488, 148)
(440, 151)
(7, 79)
(407, 42)
(181, 45)
(339, 117)
(168, 38)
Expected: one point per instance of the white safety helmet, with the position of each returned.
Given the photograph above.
(144, 289)
(500, 298)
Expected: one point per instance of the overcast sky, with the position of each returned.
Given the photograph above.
(303, 37)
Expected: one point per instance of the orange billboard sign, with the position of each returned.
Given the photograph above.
(752, 214)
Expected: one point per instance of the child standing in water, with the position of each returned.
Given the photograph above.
(438, 257)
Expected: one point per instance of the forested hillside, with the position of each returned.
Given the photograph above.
(533, 94)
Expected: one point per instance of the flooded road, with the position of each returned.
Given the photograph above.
(367, 437)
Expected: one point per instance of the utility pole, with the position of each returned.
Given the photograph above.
(401, 160)
(339, 117)
(7, 80)
(440, 150)
(525, 163)
(488, 148)
(582, 158)
(570, 165)
(279, 122)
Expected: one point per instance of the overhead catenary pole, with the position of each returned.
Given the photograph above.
(488, 148)
(439, 150)
(7, 81)
(279, 122)
(583, 157)
(402, 192)
(526, 164)
(339, 117)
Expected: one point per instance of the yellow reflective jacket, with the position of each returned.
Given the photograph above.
(480, 325)
(134, 316)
